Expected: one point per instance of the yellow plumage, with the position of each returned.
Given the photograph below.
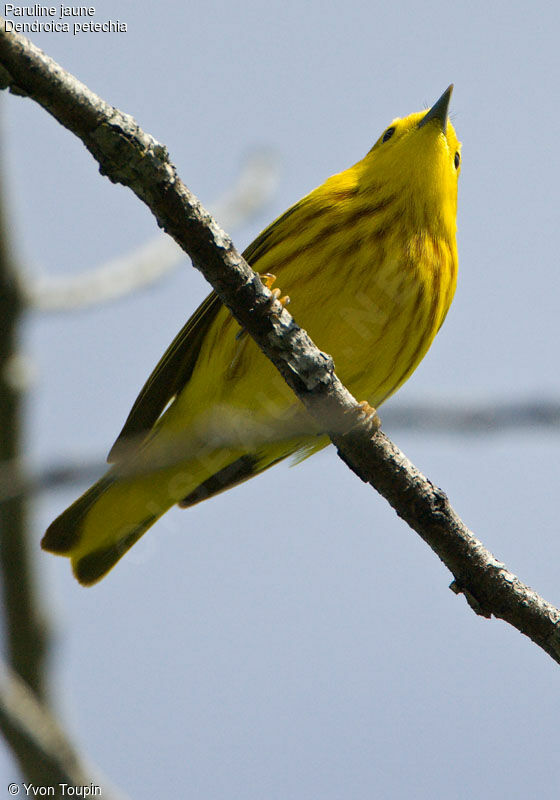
(369, 260)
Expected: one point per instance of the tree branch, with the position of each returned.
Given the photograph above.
(129, 156)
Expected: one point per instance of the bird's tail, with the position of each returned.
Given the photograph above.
(102, 524)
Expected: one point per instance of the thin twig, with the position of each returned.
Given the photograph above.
(129, 156)
(459, 418)
(150, 262)
(452, 419)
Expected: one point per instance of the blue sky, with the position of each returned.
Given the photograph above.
(292, 638)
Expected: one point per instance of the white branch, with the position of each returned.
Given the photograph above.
(156, 258)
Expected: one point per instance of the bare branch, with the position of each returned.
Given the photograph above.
(25, 622)
(128, 155)
(457, 417)
(450, 418)
(149, 263)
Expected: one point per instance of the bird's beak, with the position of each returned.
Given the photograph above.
(439, 110)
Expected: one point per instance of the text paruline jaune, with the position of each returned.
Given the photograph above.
(48, 11)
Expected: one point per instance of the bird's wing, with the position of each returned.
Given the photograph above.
(176, 366)
(168, 378)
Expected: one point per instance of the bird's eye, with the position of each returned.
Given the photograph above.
(388, 133)
(457, 159)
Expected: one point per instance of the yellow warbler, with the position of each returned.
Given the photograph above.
(370, 261)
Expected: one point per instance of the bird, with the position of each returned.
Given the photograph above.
(369, 258)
